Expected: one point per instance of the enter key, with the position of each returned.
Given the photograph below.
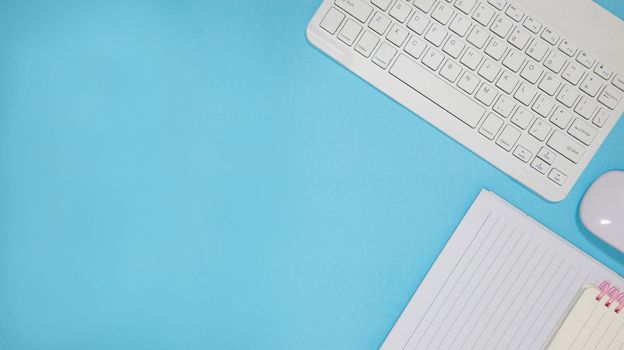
(582, 131)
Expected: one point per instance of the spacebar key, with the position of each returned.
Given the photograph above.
(440, 93)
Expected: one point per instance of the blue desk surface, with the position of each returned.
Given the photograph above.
(193, 175)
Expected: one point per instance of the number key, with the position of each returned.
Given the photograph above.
(483, 14)
(465, 6)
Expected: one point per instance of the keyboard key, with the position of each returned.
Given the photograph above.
(356, 8)
(567, 47)
(568, 96)
(601, 117)
(524, 94)
(514, 13)
(522, 118)
(499, 4)
(468, 82)
(543, 105)
(400, 11)
(610, 96)
(495, 49)
(540, 129)
(483, 14)
(501, 26)
(349, 32)
(585, 59)
(384, 55)
(519, 38)
(550, 36)
(465, 6)
(555, 61)
(573, 73)
(547, 155)
(489, 70)
(618, 82)
(478, 36)
(367, 44)
(415, 46)
(460, 25)
(507, 82)
(486, 94)
(436, 35)
(418, 23)
(471, 58)
(540, 165)
(490, 126)
(430, 85)
(433, 59)
(508, 138)
(582, 131)
(454, 47)
(532, 72)
(561, 117)
(522, 153)
(397, 35)
(379, 23)
(382, 4)
(532, 24)
(591, 84)
(332, 20)
(566, 147)
(450, 70)
(442, 13)
(557, 176)
(586, 107)
(514, 60)
(503, 106)
(549, 84)
(603, 71)
(537, 49)
(424, 5)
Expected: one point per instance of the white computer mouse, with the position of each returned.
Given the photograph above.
(602, 208)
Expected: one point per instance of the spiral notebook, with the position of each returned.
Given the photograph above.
(595, 321)
(503, 281)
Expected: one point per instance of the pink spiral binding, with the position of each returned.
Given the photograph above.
(613, 294)
(604, 288)
(620, 300)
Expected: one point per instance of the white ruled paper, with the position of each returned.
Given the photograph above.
(503, 281)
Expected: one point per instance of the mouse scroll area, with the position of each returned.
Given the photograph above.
(602, 208)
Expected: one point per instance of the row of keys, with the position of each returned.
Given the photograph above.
(555, 60)
(501, 26)
(508, 138)
(504, 106)
(531, 72)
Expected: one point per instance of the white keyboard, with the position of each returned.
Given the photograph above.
(498, 79)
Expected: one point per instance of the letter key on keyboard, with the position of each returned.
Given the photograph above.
(536, 95)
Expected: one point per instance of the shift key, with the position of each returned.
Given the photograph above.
(566, 147)
(356, 8)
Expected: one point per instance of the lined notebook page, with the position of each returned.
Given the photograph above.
(590, 325)
(503, 281)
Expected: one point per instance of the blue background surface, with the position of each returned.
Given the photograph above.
(193, 174)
